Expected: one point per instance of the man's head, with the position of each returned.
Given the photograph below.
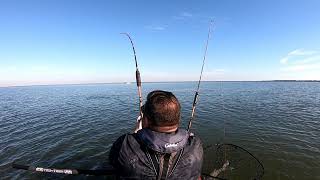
(161, 111)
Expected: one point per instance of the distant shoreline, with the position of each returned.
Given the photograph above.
(295, 81)
(128, 83)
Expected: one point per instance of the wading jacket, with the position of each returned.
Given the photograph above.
(149, 154)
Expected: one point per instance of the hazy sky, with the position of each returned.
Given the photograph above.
(73, 41)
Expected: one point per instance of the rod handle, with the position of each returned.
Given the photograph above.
(195, 100)
(138, 78)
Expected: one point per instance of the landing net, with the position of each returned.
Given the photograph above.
(229, 161)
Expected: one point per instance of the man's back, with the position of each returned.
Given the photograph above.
(153, 155)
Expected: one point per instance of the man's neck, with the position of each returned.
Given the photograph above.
(165, 129)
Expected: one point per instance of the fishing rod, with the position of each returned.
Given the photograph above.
(138, 78)
(97, 172)
(195, 99)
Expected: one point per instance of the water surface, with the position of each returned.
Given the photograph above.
(75, 125)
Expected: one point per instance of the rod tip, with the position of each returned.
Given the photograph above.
(124, 33)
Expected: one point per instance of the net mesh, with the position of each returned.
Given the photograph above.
(229, 161)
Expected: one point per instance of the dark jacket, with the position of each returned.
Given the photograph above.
(152, 155)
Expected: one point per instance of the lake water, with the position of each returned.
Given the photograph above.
(74, 126)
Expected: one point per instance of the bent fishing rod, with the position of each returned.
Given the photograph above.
(195, 99)
(83, 171)
(138, 78)
(96, 172)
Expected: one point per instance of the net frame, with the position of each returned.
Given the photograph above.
(239, 159)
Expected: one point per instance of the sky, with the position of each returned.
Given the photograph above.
(74, 41)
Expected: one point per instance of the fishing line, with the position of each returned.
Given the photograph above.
(224, 126)
(231, 159)
(195, 99)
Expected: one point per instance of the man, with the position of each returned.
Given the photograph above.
(160, 150)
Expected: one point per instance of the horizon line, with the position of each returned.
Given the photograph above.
(127, 82)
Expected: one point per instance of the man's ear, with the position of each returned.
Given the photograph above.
(145, 122)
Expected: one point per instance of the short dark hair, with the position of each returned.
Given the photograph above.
(162, 108)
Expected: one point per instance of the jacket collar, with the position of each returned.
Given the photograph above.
(163, 142)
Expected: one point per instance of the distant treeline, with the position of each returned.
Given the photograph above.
(296, 80)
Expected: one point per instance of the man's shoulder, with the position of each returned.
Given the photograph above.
(124, 138)
(194, 139)
(121, 146)
(194, 145)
